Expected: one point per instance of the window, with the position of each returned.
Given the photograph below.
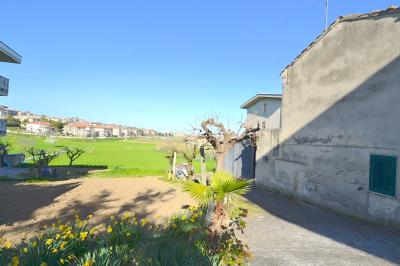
(382, 174)
(265, 107)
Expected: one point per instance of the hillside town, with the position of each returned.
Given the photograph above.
(73, 126)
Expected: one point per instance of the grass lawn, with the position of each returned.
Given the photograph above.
(132, 157)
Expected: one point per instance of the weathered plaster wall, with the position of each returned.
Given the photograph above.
(256, 114)
(341, 102)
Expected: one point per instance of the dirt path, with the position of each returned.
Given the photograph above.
(25, 207)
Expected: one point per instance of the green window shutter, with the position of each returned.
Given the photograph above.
(382, 175)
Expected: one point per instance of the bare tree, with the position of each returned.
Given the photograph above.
(41, 159)
(223, 139)
(73, 154)
(190, 154)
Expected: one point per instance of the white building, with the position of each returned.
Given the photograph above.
(79, 129)
(40, 128)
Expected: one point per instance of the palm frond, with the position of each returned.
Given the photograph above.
(202, 194)
(226, 187)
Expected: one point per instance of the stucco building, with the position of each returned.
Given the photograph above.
(264, 110)
(339, 142)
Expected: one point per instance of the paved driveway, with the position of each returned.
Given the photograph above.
(287, 232)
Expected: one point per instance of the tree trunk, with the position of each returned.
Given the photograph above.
(190, 168)
(220, 162)
(218, 220)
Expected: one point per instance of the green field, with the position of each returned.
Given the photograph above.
(131, 157)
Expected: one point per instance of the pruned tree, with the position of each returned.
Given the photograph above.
(223, 139)
(73, 154)
(190, 154)
(41, 159)
(4, 147)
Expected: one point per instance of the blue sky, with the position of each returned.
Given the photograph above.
(158, 64)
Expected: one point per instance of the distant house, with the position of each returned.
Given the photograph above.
(79, 129)
(116, 131)
(40, 128)
(338, 145)
(264, 110)
(102, 131)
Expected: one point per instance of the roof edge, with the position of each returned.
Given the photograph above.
(258, 97)
(13, 55)
(389, 10)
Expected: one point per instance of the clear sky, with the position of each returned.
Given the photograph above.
(161, 64)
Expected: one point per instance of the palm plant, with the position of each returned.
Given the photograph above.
(222, 190)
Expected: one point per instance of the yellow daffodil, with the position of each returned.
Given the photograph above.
(126, 216)
(71, 257)
(83, 235)
(89, 263)
(49, 241)
(145, 221)
(90, 216)
(25, 250)
(81, 224)
(62, 261)
(92, 231)
(109, 229)
(8, 245)
(34, 244)
(15, 261)
(58, 236)
(112, 217)
(62, 245)
(128, 234)
(43, 264)
(54, 250)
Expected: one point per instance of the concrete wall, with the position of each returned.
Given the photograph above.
(340, 104)
(272, 116)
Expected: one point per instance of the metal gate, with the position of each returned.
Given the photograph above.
(240, 160)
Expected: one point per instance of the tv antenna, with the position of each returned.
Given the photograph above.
(326, 14)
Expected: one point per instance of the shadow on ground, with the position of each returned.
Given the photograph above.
(377, 240)
(25, 207)
(18, 201)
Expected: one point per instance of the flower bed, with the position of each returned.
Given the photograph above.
(182, 240)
